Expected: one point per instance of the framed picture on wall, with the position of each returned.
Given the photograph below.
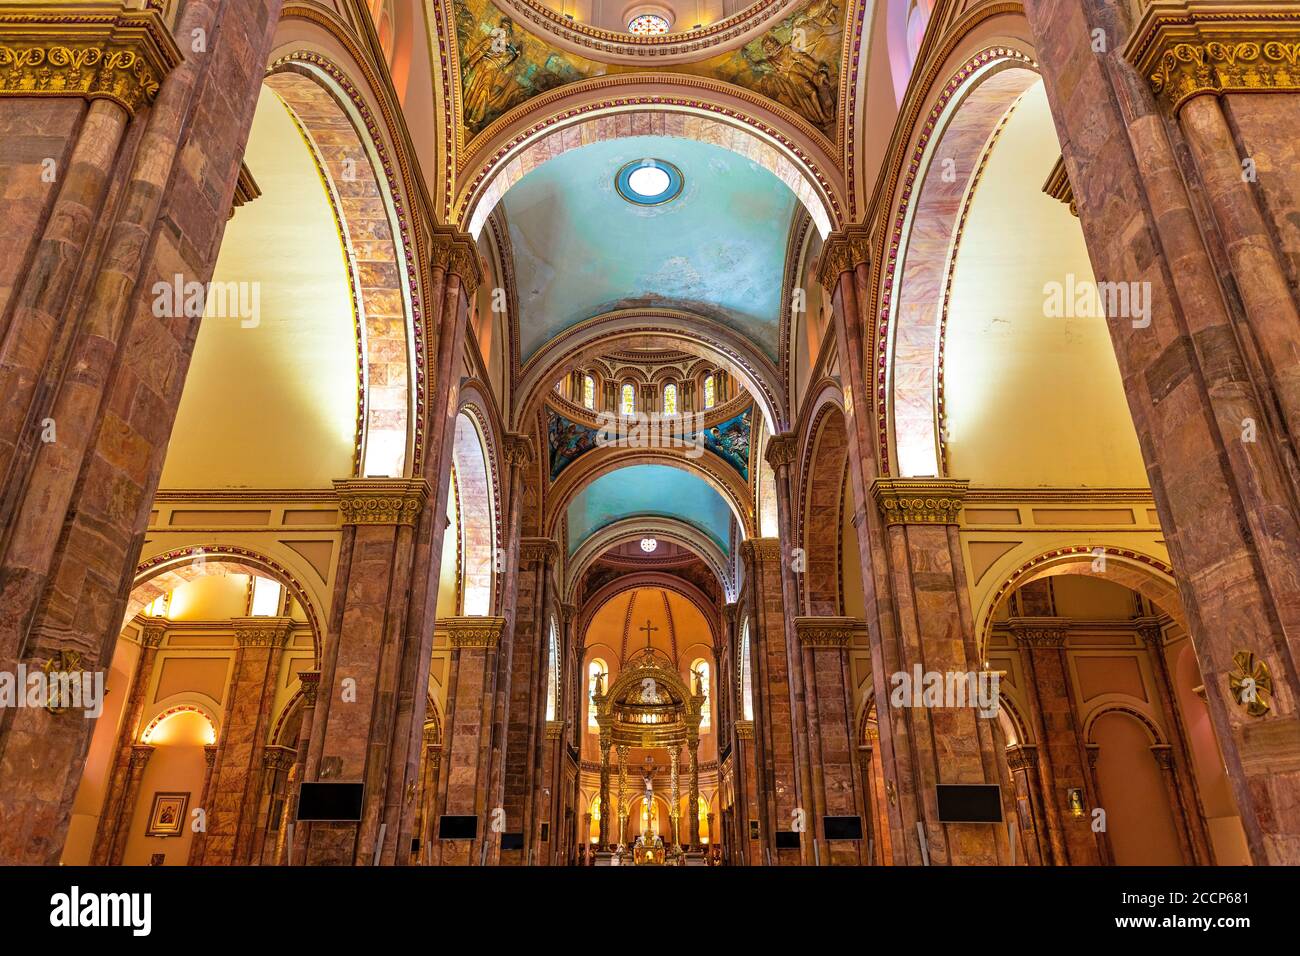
(168, 814)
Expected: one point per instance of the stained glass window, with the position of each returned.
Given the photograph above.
(647, 24)
(588, 392)
(709, 392)
(629, 400)
(670, 399)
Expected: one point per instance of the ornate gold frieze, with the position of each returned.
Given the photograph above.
(381, 500)
(1188, 48)
(843, 251)
(90, 50)
(761, 549)
(1059, 188)
(473, 631)
(1039, 632)
(276, 757)
(919, 500)
(262, 631)
(825, 631)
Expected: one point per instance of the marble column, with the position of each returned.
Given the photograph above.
(1174, 142)
(276, 778)
(606, 823)
(622, 794)
(111, 817)
(82, 350)
(233, 804)
(138, 761)
(693, 805)
(205, 795)
(429, 773)
(293, 850)
(674, 793)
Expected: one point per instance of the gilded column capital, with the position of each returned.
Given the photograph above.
(455, 251)
(88, 50)
(275, 757)
(431, 734)
(1150, 631)
(834, 632)
(152, 634)
(210, 755)
(1039, 631)
(782, 450)
(1022, 757)
(262, 631)
(381, 500)
(745, 729)
(473, 631)
(554, 729)
(310, 682)
(919, 500)
(1164, 754)
(1187, 48)
(140, 754)
(761, 549)
(538, 549)
(568, 611)
(843, 251)
(518, 448)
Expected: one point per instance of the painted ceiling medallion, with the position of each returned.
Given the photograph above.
(648, 545)
(649, 182)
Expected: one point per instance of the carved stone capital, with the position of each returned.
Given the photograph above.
(533, 550)
(262, 631)
(381, 500)
(761, 549)
(151, 635)
(1022, 757)
(1039, 631)
(1192, 47)
(275, 757)
(85, 50)
(842, 252)
(569, 611)
(745, 729)
(919, 500)
(310, 681)
(836, 632)
(473, 631)
(1164, 755)
(1150, 631)
(519, 449)
(454, 251)
(782, 450)
(140, 754)
(210, 755)
(554, 729)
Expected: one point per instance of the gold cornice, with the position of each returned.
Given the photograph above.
(1186, 48)
(380, 500)
(836, 632)
(473, 631)
(90, 50)
(843, 251)
(262, 631)
(919, 500)
(1059, 188)
(760, 549)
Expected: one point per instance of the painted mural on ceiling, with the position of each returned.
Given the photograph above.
(567, 441)
(581, 250)
(658, 491)
(730, 441)
(796, 63)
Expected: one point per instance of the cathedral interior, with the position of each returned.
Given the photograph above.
(666, 433)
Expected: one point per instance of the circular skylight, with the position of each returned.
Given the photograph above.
(647, 24)
(649, 182)
(648, 545)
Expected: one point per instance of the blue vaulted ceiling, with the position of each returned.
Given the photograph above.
(657, 491)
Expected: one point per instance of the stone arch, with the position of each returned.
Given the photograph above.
(169, 570)
(821, 511)
(380, 256)
(664, 105)
(650, 579)
(1153, 731)
(477, 507)
(929, 203)
(632, 529)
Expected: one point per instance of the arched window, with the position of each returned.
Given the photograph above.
(594, 670)
(265, 598)
(701, 667)
(710, 392)
(553, 674)
(588, 392)
(629, 399)
(746, 675)
(670, 399)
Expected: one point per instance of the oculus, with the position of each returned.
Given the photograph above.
(649, 182)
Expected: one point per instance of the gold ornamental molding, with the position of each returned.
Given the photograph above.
(834, 632)
(473, 631)
(843, 251)
(1039, 631)
(533, 550)
(745, 729)
(782, 450)
(88, 50)
(761, 549)
(519, 449)
(380, 500)
(1188, 47)
(455, 251)
(1059, 188)
(919, 500)
(554, 729)
(246, 189)
(152, 634)
(262, 631)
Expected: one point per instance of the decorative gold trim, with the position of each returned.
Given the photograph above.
(380, 500)
(95, 51)
(1059, 188)
(745, 729)
(554, 729)
(919, 500)
(473, 631)
(262, 631)
(1039, 631)
(310, 683)
(1251, 683)
(538, 549)
(761, 549)
(453, 250)
(835, 632)
(1188, 48)
(782, 450)
(152, 634)
(277, 757)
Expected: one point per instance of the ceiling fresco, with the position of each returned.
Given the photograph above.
(796, 63)
(581, 250)
(659, 491)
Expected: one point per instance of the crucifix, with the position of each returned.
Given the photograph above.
(647, 630)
